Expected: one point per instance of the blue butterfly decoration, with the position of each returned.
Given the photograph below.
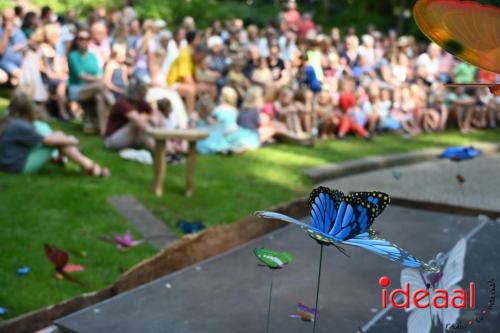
(3, 311)
(458, 154)
(338, 219)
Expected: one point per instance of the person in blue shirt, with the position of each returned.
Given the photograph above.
(12, 43)
(308, 76)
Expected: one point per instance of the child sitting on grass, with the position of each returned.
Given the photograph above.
(288, 113)
(240, 139)
(27, 145)
(225, 136)
(170, 122)
(327, 118)
(384, 105)
(348, 120)
(303, 104)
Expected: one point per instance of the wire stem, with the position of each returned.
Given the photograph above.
(269, 306)
(317, 290)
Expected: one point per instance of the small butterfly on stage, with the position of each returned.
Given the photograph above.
(305, 313)
(397, 174)
(273, 259)
(458, 154)
(60, 259)
(339, 219)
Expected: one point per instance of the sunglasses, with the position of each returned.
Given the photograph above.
(83, 38)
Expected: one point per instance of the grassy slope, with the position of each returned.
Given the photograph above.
(62, 207)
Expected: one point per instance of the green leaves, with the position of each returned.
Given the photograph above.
(273, 259)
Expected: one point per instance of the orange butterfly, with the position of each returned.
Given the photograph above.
(466, 29)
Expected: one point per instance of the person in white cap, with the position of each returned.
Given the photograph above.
(216, 59)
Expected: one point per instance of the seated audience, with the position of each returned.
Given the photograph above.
(315, 85)
(12, 43)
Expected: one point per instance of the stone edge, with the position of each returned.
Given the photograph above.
(333, 171)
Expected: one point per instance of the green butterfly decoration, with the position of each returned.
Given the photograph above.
(273, 259)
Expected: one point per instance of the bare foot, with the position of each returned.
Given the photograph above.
(96, 170)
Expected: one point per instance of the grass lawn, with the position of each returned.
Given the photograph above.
(62, 207)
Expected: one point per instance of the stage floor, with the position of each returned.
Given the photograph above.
(229, 293)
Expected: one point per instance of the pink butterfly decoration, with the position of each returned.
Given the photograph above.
(126, 241)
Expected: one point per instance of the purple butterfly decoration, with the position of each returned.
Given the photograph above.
(305, 313)
(122, 242)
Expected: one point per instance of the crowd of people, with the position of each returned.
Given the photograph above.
(246, 85)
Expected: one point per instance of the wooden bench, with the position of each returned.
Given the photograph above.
(161, 136)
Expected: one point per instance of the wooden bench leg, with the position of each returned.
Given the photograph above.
(191, 165)
(160, 167)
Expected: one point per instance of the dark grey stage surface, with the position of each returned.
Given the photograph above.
(229, 293)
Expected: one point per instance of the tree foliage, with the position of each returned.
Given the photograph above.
(384, 14)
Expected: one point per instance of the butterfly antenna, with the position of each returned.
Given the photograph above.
(342, 250)
(427, 284)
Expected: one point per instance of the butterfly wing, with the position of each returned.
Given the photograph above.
(58, 257)
(458, 154)
(453, 271)
(281, 217)
(273, 259)
(307, 313)
(123, 241)
(313, 232)
(466, 29)
(448, 315)
(414, 278)
(69, 268)
(378, 201)
(419, 321)
(323, 205)
(388, 250)
(340, 217)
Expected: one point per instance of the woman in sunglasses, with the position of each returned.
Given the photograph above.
(86, 85)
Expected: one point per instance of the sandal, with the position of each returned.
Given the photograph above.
(95, 170)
